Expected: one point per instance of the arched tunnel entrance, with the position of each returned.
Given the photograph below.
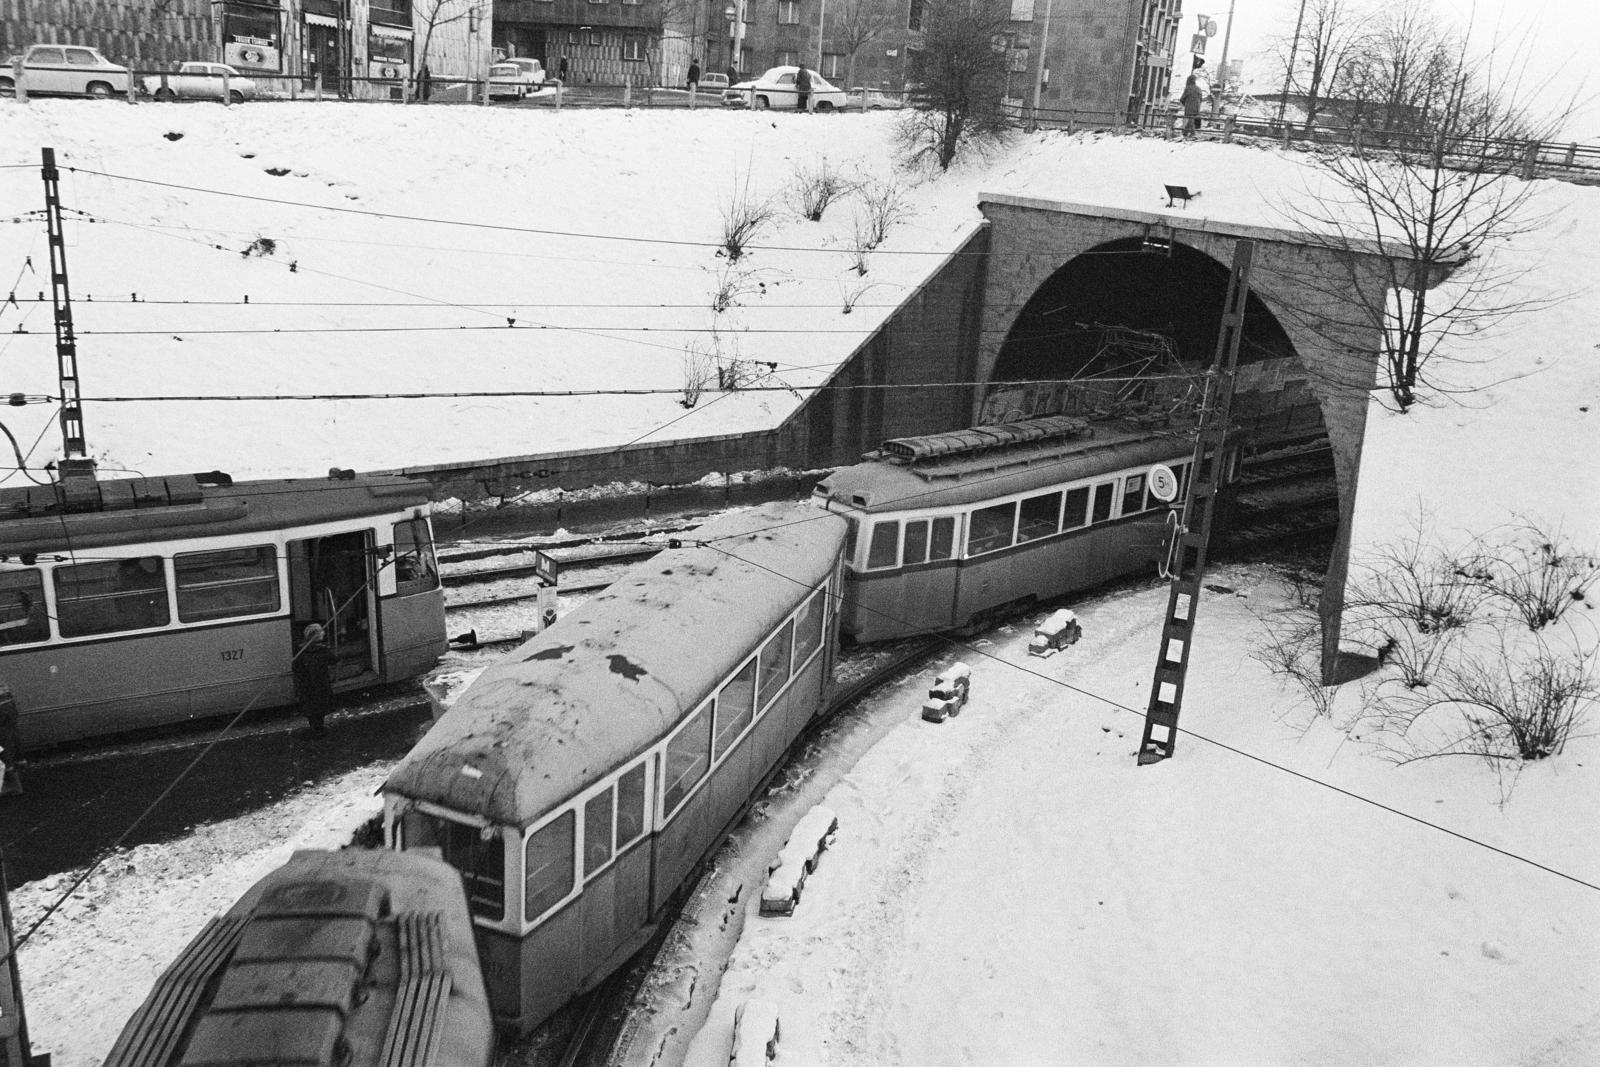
(1127, 327)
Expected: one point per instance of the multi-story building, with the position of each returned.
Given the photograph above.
(366, 48)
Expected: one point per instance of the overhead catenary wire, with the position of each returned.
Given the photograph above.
(1222, 745)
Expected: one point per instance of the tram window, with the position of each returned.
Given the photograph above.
(943, 545)
(688, 756)
(852, 530)
(735, 707)
(774, 666)
(630, 806)
(885, 548)
(916, 550)
(221, 585)
(1077, 511)
(991, 528)
(482, 863)
(596, 833)
(549, 865)
(1040, 517)
(414, 568)
(808, 629)
(22, 614)
(1132, 494)
(1102, 501)
(109, 596)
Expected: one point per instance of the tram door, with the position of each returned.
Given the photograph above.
(331, 583)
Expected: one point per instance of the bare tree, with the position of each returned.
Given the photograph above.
(961, 76)
(857, 24)
(1332, 33)
(435, 14)
(1439, 190)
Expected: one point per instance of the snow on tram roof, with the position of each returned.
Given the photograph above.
(178, 507)
(880, 485)
(615, 675)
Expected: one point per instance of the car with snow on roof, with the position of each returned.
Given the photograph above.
(200, 81)
(776, 89)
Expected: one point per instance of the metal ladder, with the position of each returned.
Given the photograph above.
(1193, 535)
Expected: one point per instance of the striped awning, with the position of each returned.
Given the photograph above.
(320, 20)
(395, 32)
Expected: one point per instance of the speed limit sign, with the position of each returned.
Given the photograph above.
(1163, 483)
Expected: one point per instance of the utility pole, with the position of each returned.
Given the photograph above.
(1193, 536)
(1294, 53)
(1044, 57)
(822, 13)
(78, 489)
(1222, 66)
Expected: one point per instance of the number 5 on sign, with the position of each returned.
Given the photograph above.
(1163, 483)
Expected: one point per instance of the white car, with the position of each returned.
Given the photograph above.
(200, 81)
(513, 79)
(776, 88)
(872, 99)
(65, 70)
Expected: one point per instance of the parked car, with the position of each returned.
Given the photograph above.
(199, 81)
(776, 88)
(65, 70)
(513, 79)
(713, 82)
(870, 99)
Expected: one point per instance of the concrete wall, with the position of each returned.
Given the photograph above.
(880, 391)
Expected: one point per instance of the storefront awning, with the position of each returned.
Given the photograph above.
(390, 31)
(320, 20)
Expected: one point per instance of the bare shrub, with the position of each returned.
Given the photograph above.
(854, 294)
(883, 203)
(1538, 576)
(1419, 582)
(734, 284)
(1293, 653)
(1498, 704)
(815, 188)
(699, 368)
(744, 215)
(736, 374)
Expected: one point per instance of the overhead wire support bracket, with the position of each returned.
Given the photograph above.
(76, 468)
(1192, 536)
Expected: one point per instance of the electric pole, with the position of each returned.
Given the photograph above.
(1192, 539)
(1044, 58)
(1288, 70)
(78, 489)
(1222, 66)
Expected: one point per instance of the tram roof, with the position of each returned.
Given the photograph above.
(956, 479)
(177, 507)
(618, 673)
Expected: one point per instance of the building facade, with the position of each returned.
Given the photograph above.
(367, 49)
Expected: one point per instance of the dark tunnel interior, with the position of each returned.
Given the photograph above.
(1175, 291)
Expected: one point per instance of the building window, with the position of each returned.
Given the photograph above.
(391, 12)
(251, 37)
(633, 48)
(914, 20)
(573, 37)
(832, 66)
(595, 39)
(788, 59)
(788, 13)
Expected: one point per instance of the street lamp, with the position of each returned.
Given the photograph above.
(731, 13)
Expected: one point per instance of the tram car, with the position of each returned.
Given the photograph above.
(949, 530)
(147, 601)
(362, 958)
(578, 782)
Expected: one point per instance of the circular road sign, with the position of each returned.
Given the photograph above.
(1163, 483)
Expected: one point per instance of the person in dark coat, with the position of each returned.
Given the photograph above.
(313, 677)
(561, 72)
(1193, 96)
(802, 88)
(694, 74)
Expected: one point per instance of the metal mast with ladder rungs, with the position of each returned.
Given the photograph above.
(1193, 536)
(76, 468)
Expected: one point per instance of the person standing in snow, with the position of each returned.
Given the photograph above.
(802, 87)
(694, 74)
(313, 678)
(1194, 94)
(561, 72)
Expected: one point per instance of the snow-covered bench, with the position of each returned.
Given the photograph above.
(949, 693)
(787, 876)
(1055, 633)
(755, 1034)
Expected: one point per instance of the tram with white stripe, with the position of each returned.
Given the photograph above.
(157, 600)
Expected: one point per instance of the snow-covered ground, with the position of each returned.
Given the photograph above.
(1007, 887)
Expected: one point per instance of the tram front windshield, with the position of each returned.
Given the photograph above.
(479, 854)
